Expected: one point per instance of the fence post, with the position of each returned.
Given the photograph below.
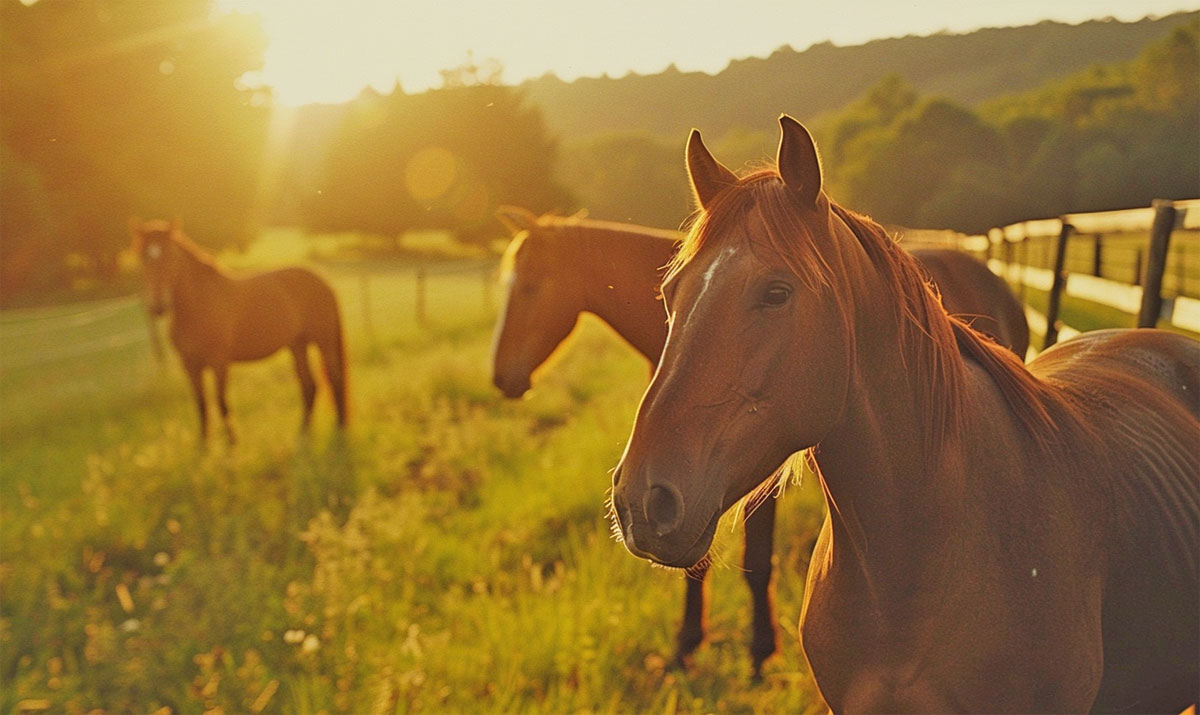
(1160, 237)
(364, 283)
(1056, 288)
(155, 337)
(1024, 261)
(420, 302)
(1097, 255)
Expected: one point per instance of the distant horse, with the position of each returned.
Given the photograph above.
(970, 291)
(558, 268)
(998, 538)
(217, 319)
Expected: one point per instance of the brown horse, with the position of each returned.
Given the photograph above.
(998, 538)
(558, 268)
(217, 319)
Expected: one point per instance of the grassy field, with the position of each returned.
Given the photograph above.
(449, 553)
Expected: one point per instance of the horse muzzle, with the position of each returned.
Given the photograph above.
(511, 386)
(655, 524)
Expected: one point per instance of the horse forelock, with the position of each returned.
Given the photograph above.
(774, 222)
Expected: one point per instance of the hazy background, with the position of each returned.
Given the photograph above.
(450, 552)
(117, 108)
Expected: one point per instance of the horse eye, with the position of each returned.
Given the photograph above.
(776, 294)
(527, 287)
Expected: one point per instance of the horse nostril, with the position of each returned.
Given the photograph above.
(664, 509)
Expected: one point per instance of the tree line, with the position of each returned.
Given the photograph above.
(1112, 136)
(115, 109)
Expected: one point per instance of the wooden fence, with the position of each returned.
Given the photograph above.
(1121, 259)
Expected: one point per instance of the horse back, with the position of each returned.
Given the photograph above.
(972, 292)
(1138, 393)
(281, 308)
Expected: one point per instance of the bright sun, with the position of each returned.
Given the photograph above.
(321, 51)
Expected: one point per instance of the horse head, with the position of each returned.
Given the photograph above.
(540, 307)
(756, 364)
(156, 244)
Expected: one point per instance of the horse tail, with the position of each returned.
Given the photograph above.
(336, 368)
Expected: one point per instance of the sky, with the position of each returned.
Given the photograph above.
(329, 50)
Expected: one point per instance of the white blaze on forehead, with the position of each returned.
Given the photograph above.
(708, 276)
(153, 251)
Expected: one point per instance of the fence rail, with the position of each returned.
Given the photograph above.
(1085, 274)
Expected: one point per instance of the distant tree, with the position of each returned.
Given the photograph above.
(630, 177)
(910, 162)
(131, 107)
(445, 158)
(878, 108)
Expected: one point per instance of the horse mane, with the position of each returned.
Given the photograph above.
(190, 248)
(196, 252)
(934, 344)
(554, 227)
(927, 323)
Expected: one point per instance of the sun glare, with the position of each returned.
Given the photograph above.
(328, 52)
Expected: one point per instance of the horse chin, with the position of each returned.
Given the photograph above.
(665, 553)
(511, 388)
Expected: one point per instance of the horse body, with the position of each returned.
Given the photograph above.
(969, 290)
(997, 538)
(1022, 582)
(218, 319)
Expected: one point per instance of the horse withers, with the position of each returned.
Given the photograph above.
(218, 319)
(998, 538)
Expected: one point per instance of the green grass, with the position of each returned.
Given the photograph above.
(449, 553)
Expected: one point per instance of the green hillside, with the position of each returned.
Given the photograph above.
(967, 69)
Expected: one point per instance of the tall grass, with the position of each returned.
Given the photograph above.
(449, 553)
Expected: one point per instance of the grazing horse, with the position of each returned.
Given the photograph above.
(999, 538)
(217, 319)
(557, 268)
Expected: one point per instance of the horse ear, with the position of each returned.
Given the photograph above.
(708, 175)
(516, 219)
(799, 163)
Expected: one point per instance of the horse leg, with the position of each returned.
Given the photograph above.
(691, 631)
(756, 564)
(221, 372)
(333, 361)
(195, 372)
(308, 386)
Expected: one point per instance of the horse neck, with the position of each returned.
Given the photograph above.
(619, 275)
(194, 283)
(890, 466)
